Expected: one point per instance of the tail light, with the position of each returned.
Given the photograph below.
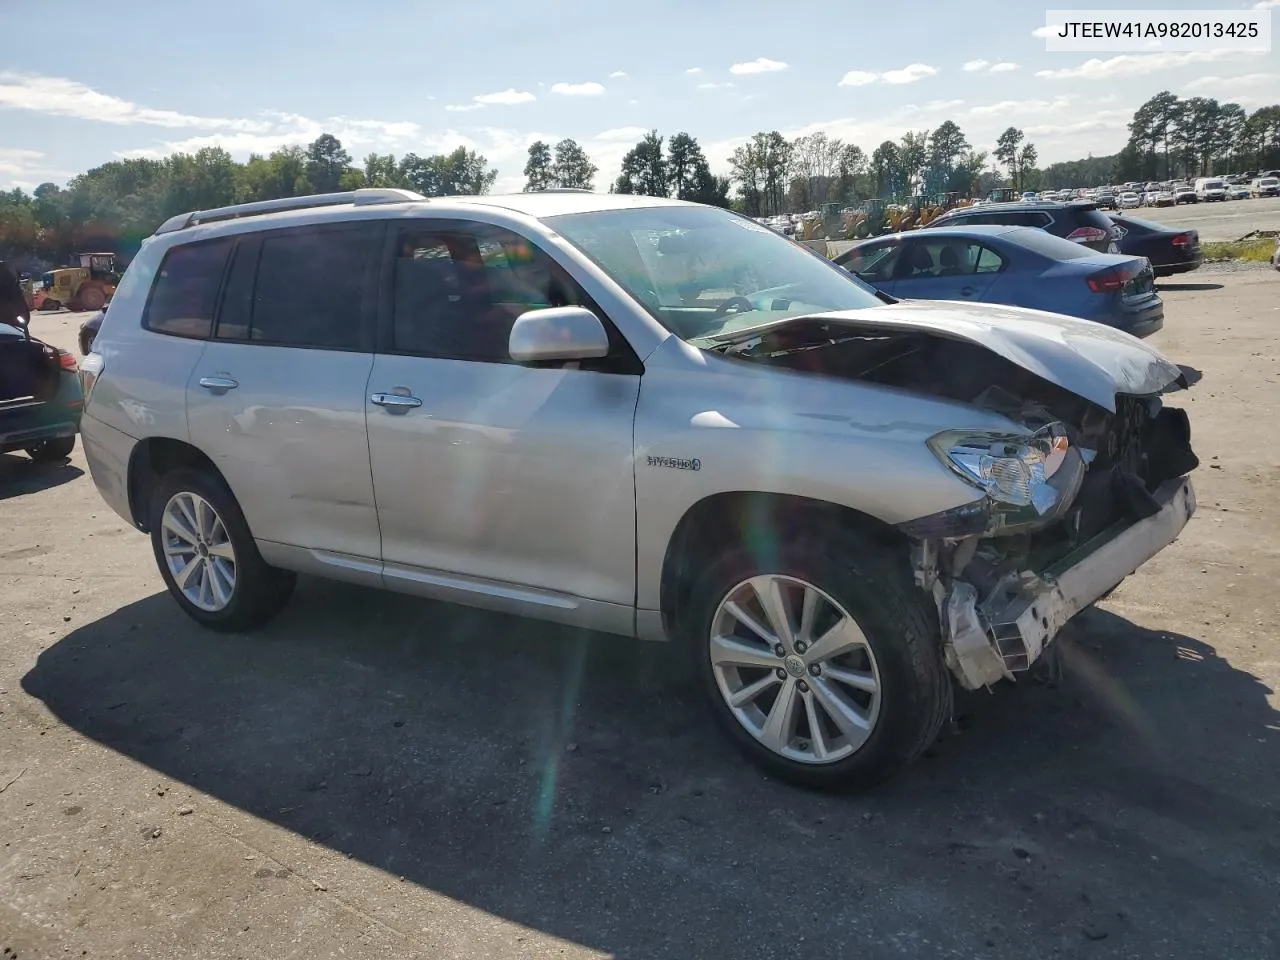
(1088, 235)
(67, 360)
(1184, 240)
(90, 370)
(1113, 279)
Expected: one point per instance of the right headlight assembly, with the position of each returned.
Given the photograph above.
(1029, 480)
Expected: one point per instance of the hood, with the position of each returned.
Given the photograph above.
(1089, 359)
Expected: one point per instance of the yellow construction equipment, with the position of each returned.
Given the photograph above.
(89, 286)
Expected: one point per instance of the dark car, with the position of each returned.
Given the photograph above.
(1078, 221)
(1016, 266)
(1170, 250)
(1106, 199)
(89, 330)
(40, 396)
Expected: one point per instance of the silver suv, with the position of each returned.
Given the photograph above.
(642, 417)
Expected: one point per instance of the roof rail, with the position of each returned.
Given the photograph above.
(562, 190)
(365, 196)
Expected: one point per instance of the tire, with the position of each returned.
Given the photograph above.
(51, 451)
(90, 297)
(258, 591)
(898, 626)
(86, 343)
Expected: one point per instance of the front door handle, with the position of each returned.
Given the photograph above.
(966, 291)
(395, 400)
(218, 384)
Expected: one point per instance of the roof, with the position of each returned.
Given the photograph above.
(552, 203)
(1026, 205)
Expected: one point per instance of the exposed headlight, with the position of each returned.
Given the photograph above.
(1029, 480)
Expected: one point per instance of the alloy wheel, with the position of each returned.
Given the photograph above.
(198, 551)
(795, 669)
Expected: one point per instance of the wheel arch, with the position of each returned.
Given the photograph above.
(751, 518)
(150, 460)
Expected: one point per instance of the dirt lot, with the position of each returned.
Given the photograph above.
(375, 776)
(1219, 220)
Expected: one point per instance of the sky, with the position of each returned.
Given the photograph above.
(424, 76)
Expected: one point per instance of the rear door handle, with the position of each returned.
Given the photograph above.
(395, 400)
(966, 291)
(218, 384)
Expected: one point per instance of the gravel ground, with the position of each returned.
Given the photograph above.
(376, 776)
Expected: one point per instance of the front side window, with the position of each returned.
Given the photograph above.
(185, 291)
(459, 288)
(703, 272)
(873, 263)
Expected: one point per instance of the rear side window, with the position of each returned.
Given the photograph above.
(312, 287)
(185, 291)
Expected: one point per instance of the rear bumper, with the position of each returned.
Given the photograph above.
(1184, 266)
(992, 638)
(108, 452)
(18, 432)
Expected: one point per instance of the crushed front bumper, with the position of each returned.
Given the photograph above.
(990, 638)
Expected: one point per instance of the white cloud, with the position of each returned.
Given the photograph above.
(975, 65)
(1019, 108)
(909, 74)
(1225, 86)
(1137, 64)
(621, 134)
(633, 102)
(617, 74)
(716, 86)
(60, 97)
(508, 97)
(1266, 4)
(758, 65)
(693, 70)
(1004, 66)
(858, 78)
(462, 107)
(1045, 32)
(590, 89)
(1103, 120)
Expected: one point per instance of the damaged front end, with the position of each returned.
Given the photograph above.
(1065, 531)
(1086, 491)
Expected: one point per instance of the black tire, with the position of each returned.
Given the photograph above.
(86, 343)
(260, 590)
(876, 587)
(51, 451)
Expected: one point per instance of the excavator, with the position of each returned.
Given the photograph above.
(88, 286)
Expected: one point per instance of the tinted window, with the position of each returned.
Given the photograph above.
(311, 288)
(459, 290)
(942, 256)
(1049, 245)
(185, 291)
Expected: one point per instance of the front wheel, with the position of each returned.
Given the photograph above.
(207, 555)
(823, 663)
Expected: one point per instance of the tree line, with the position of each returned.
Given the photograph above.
(115, 206)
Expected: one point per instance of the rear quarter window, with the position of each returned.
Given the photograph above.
(185, 291)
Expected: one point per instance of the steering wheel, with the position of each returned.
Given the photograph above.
(742, 303)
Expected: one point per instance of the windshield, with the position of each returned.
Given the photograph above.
(704, 272)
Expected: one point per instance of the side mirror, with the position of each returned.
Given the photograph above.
(558, 333)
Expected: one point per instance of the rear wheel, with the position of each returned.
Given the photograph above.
(90, 297)
(207, 555)
(823, 662)
(51, 451)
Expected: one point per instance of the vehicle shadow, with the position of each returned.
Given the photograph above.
(569, 783)
(20, 475)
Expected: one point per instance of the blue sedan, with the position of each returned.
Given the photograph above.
(1018, 266)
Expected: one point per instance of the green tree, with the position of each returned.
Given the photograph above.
(886, 169)
(913, 153)
(683, 158)
(326, 162)
(538, 174)
(282, 174)
(1009, 152)
(572, 169)
(644, 168)
(382, 170)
